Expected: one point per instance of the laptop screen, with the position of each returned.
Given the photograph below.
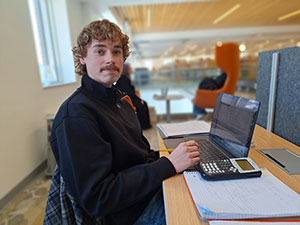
(233, 122)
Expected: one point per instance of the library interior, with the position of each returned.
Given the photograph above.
(184, 55)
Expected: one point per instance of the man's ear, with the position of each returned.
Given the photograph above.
(82, 61)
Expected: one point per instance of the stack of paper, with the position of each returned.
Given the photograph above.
(183, 129)
(220, 222)
(240, 199)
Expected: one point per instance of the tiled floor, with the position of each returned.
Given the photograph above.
(28, 207)
(181, 106)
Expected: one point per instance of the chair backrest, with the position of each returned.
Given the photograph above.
(227, 57)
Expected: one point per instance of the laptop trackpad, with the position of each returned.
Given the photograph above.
(283, 158)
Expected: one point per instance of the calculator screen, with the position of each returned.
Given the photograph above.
(244, 164)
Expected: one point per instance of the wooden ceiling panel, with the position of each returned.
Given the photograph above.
(200, 15)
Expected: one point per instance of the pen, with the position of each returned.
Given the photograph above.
(166, 150)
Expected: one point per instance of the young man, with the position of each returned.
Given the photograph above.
(106, 172)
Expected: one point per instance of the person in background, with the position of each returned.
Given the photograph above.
(209, 83)
(106, 171)
(126, 85)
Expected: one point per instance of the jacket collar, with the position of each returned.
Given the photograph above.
(98, 91)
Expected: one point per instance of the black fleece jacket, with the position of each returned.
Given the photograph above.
(104, 158)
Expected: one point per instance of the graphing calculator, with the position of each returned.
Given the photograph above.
(235, 168)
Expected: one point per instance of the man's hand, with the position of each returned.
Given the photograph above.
(185, 155)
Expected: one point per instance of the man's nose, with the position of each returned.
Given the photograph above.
(110, 58)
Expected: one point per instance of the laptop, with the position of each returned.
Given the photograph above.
(231, 130)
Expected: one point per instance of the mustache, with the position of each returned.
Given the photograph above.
(110, 67)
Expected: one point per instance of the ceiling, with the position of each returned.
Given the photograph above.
(170, 28)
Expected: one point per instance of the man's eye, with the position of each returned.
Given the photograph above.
(99, 52)
(117, 52)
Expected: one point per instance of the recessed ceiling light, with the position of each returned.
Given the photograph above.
(148, 17)
(242, 47)
(226, 13)
(288, 15)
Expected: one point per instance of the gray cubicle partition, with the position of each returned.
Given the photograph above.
(286, 120)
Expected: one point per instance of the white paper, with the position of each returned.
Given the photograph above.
(243, 198)
(184, 128)
(220, 222)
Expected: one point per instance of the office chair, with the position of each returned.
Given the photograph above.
(227, 58)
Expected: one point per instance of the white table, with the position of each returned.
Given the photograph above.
(168, 98)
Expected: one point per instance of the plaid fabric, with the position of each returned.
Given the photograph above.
(63, 209)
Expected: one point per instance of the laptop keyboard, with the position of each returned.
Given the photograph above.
(209, 151)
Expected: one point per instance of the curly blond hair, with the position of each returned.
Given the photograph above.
(99, 30)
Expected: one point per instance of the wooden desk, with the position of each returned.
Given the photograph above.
(178, 204)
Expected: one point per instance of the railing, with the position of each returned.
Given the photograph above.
(188, 78)
(171, 78)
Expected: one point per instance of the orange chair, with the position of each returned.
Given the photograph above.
(227, 58)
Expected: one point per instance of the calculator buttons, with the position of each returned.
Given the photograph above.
(219, 167)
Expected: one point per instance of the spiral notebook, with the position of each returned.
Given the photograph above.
(242, 199)
(287, 222)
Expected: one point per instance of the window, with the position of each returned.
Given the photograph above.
(52, 41)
